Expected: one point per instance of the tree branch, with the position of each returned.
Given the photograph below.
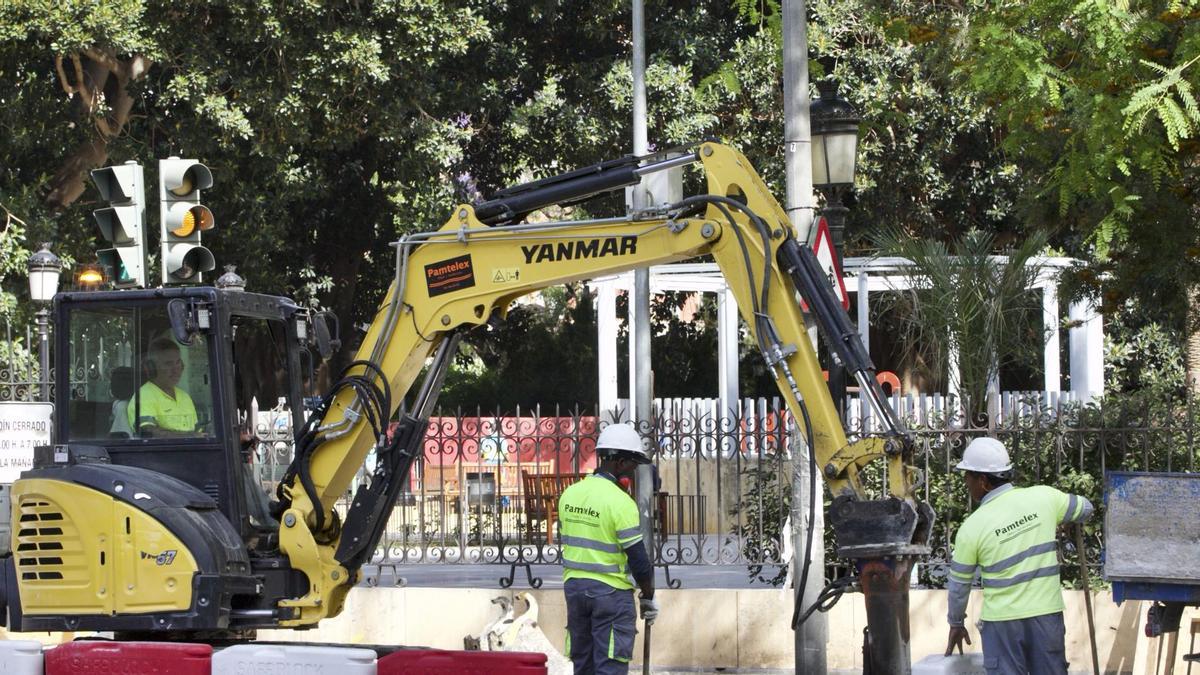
(68, 182)
(62, 76)
(107, 60)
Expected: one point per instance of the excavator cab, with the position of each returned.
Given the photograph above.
(156, 492)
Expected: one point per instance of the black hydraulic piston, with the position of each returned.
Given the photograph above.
(810, 279)
(806, 272)
(512, 204)
(373, 501)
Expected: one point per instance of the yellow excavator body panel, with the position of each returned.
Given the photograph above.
(78, 551)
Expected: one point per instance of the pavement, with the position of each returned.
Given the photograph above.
(465, 575)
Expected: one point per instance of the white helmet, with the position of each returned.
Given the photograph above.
(623, 438)
(985, 455)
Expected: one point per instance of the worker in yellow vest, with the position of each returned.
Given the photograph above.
(1010, 542)
(162, 407)
(601, 549)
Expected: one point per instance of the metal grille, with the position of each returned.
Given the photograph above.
(19, 376)
(474, 495)
(47, 544)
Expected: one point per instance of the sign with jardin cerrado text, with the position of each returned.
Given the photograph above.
(23, 426)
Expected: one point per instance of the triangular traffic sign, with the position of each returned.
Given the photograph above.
(823, 248)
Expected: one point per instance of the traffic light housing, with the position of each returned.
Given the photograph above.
(122, 222)
(182, 219)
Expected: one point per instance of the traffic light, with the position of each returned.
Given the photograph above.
(183, 218)
(123, 223)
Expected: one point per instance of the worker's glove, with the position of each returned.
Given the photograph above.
(649, 607)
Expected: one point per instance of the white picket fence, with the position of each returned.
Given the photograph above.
(682, 420)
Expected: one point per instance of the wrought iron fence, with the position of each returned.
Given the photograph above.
(1068, 445)
(485, 488)
(726, 480)
(20, 379)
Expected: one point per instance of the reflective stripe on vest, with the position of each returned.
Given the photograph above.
(1036, 549)
(1050, 571)
(583, 542)
(591, 567)
(598, 521)
(629, 533)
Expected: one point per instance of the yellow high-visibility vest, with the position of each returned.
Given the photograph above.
(1010, 541)
(155, 407)
(597, 521)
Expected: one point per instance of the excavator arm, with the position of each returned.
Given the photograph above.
(483, 258)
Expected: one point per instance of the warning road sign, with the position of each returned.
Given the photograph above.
(823, 248)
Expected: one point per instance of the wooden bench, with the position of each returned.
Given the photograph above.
(542, 491)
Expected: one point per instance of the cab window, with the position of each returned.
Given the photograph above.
(131, 379)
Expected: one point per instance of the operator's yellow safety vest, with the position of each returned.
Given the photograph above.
(597, 521)
(1010, 541)
(155, 407)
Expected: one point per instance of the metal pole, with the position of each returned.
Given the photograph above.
(43, 325)
(796, 131)
(885, 583)
(811, 636)
(639, 365)
(1087, 596)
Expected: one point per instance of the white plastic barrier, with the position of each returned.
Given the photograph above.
(958, 664)
(287, 659)
(21, 657)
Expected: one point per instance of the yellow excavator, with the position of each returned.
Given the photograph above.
(157, 530)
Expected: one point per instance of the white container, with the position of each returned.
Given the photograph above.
(958, 664)
(299, 659)
(21, 657)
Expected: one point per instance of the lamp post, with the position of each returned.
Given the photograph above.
(44, 268)
(834, 155)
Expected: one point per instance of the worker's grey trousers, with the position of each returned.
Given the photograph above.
(1033, 646)
(601, 625)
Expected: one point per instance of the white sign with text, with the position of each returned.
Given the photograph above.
(23, 426)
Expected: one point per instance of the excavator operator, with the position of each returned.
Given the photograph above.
(601, 547)
(163, 409)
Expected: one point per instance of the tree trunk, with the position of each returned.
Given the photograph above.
(96, 78)
(346, 241)
(1192, 356)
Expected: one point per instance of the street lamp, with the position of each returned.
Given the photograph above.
(834, 125)
(44, 268)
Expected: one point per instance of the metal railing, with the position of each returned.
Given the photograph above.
(726, 481)
(20, 379)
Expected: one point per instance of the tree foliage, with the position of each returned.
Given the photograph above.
(964, 302)
(333, 128)
(1094, 101)
(320, 156)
